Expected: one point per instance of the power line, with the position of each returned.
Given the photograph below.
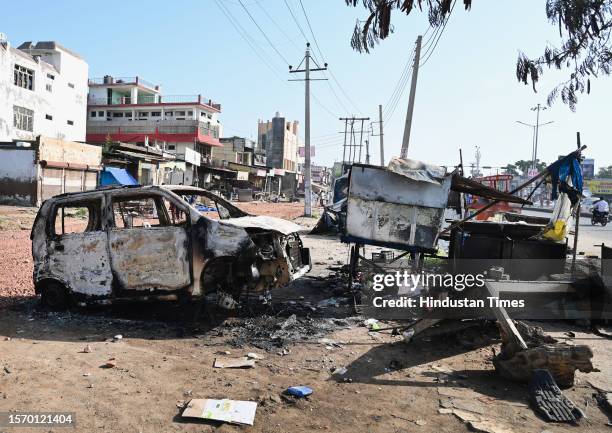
(279, 27)
(440, 35)
(246, 37)
(331, 73)
(297, 23)
(263, 33)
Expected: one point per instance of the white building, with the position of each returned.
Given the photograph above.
(133, 110)
(43, 90)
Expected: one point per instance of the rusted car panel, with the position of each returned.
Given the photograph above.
(149, 243)
(81, 261)
(137, 257)
(404, 209)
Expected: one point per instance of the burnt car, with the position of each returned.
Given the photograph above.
(160, 243)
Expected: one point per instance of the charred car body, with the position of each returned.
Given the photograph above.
(155, 243)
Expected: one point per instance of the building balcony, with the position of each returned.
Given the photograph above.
(156, 100)
(162, 130)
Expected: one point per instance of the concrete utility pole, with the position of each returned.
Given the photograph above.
(307, 172)
(380, 132)
(415, 75)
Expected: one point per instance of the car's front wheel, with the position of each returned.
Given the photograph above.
(55, 296)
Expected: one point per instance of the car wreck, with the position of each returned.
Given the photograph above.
(160, 243)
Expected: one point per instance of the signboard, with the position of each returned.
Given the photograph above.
(192, 157)
(243, 175)
(599, 186)
(261, 173)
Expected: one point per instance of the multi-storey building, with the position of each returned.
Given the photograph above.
(279, 138)
(43, 90)
(133, 110)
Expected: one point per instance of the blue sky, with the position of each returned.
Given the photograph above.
(467, 92)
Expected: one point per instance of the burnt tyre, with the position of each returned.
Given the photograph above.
(55, 296)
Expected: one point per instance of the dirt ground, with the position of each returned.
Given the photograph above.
(162, 361)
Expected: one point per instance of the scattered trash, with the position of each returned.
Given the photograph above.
(109, 364)
(243, 362)
(231, 411)
(340, 371)
(87, 349)
(371, 324)
(223, 352)
(86, 374)
(7, 370)
(252, 355)
(188, 393)
(117, 337)
(463, 415)
(487, 426)
(548, 400)
(408, 334)
(299, 391)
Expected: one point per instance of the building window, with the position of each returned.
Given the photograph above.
(48, 117)
(117, 114)
(49, 87)
(51, 76)
(168, 113)
(171, 147)
(143, 114)
(155, 113)
(24, 77)
(70, 122)
(71, 85)
(93, 113)
(100, 113)
(180, 113)
(190, 113)
(23, 118)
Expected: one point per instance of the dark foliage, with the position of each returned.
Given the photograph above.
(585, 28)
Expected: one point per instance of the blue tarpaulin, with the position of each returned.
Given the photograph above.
(112, 176)
(559, 173)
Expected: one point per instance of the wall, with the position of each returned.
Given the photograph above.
(63, 103)
(18, 173)
(54, 150)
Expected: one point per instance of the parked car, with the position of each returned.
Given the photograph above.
(140, 243)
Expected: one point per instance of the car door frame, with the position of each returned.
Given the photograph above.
(55, 244)
(158, 195)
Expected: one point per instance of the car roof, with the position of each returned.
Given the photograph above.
(106, 189)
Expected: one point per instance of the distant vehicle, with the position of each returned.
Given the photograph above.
(153, 243)
(500, 182)
(599, 218)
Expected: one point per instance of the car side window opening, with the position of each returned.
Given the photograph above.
(142, 211)
(178, 216)
(78, 217)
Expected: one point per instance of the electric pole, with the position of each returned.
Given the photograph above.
(415, 75)
(380, 132)
(536, 133)
(307, 173)
(352, 146)
(537, 109)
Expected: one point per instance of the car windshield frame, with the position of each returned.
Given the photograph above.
(234, 212)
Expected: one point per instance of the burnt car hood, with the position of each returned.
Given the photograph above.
(265, 223)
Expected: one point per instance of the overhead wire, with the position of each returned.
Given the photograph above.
(439, 36)
(247, 38)
(331, 73)
(263, 33)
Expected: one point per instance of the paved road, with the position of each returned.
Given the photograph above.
(588, 235)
